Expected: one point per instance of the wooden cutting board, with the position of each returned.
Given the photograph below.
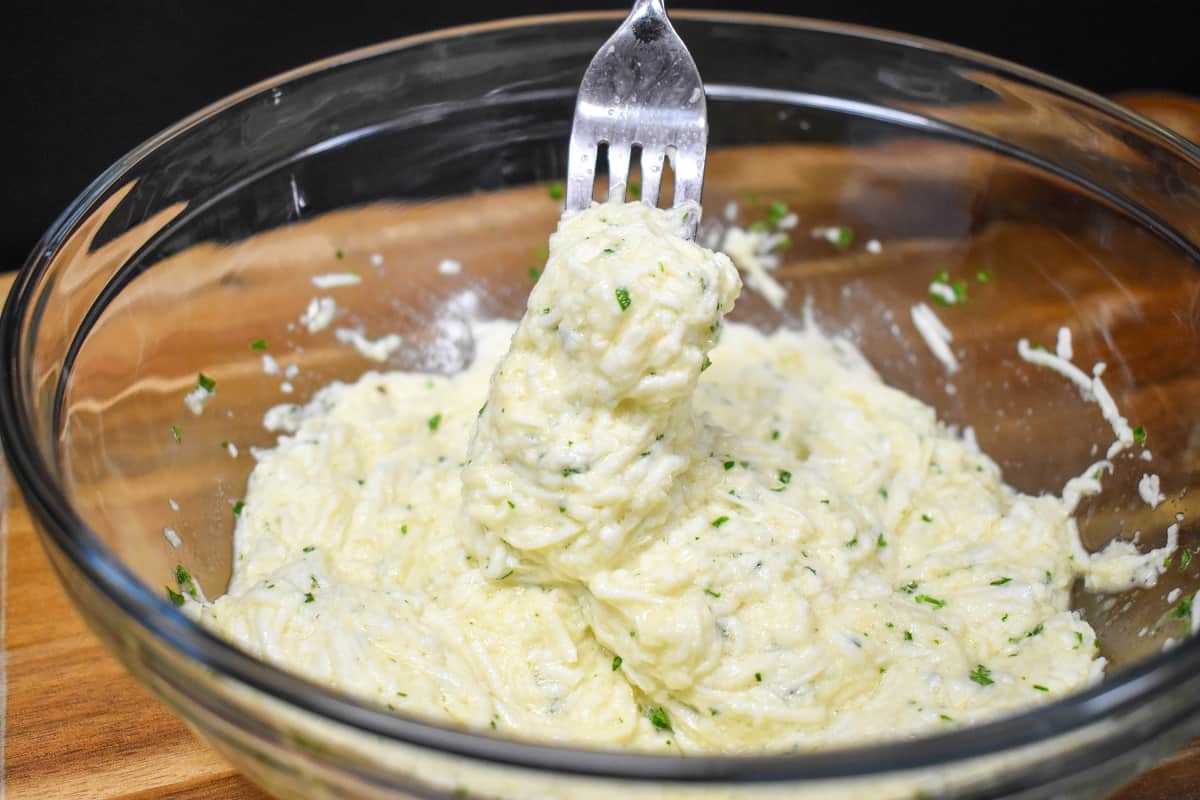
(76, 725)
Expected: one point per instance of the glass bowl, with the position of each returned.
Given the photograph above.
(387, 160)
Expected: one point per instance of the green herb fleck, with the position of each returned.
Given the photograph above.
(1000, 581)
(930, 601)
(643, 454)
(569, 471)
(511, 504)
(1185, 558)
(711, 593)
(1040, 688)
(635, 188)
(705, 364)
(434, 422)
(927, 518)
(785, 476)
(1184, 609)
(946, 717)
(960, 291)
(310, 548)
(622, 297)
(881, 541)
(555, 190)
(404, 530)
(1037, 630)
(908, 636)
(308, 597)
(983, 276)
(175, 597)
(206, 383)
(534, 274)
(258, 344)
(774, 436)
(982, 675)
(853, 542)
(659, 719)
(729, 465)
(844, 238)
(616, 663)
(339, 254)
(758, 677)
(237, 508)
(1139, 434)
(883, 493)
(776, 212)
(719, 521)
(177, 432)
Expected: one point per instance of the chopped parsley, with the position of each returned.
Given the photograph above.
(711, 593)
(774, 436)
(237, 508)
(511, 504)
(659, 719)
(881, 541)
(1040, 688)
(705, 364)
(616, 663)
(534, 274)
(1037, 630)
(1184, 609)
(758, 677)
(177, 432)
(635, 188)
(883, 493)
(983, 276)
(258, 344)
(206, 383)
(622, 297)
(434, 422)
(643, 454)
(310, 548)
(569, 471)
(308, 597)
(982, 675)
(845, 236)
(175, 597)
(719, 521)
(1000, 581)
(776, 212)
(729, 465)
(930, 601)
(927, 518)
(1139, 434)
(785, 476)
(1185, 558)
(339, 255)
(853, 542)
(555, 190)
(908, 636)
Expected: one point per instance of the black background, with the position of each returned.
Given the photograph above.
(85, 82)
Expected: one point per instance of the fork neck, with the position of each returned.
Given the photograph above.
(656, 8)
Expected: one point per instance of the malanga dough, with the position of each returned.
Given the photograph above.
(610, 535)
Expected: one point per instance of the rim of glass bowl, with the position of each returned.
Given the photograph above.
(147, 609)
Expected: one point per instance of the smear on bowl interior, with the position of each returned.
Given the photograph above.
(631, 524)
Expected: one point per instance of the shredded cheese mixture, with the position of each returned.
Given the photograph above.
(629, 524)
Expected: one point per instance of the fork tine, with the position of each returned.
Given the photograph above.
(581, 172)
(652, 168)
(689, 175)
(618, 169)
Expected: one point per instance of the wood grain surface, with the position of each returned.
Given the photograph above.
(78, 726)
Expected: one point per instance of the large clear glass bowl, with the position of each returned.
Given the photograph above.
(387, 160)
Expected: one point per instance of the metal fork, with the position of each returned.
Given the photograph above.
(641, 89)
